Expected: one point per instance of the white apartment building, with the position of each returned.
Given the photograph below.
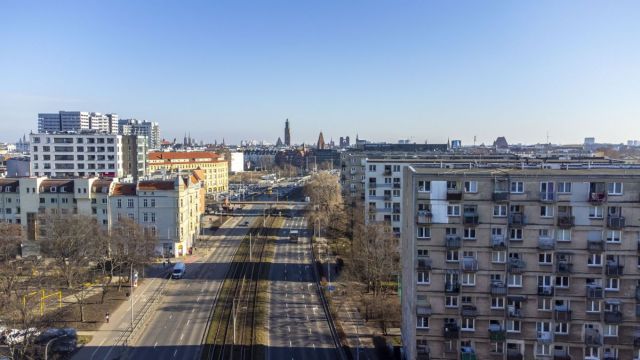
(73, 154)
(77, 121)
(149, 129)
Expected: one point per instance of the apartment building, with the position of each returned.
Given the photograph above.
(521, 263)
(148, 129)
(352, 175)
(71, 154)
(77, 121)
(134, 155)
(214, 166)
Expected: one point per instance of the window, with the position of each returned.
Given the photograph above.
(543, 349)
(546, 211)
(544, 304)
(615, 188)
(144, 203)
(563, 235)
(545, 258)
(153, 202)
(596, 212)
(153, 217)
(564, 187)
(453, 210)
(424, 232)
(453, 255)
(517, 187)
(423, 322)
(452, 185)
(422, 252)
(396, 193)
(423, 277)
(562, 281)
(372, 168)
(611, 330)
(498, 256)
(514, 280)
(451, 301)
(561, 328)
(471, 186)
(424, 186)
(613, 284)
(468, 324)
(500, 210)
(513, 326)
(614, 236)
(593, 306)
(145, 217)
(129, 203)
(468, 279)
(497, 302)
(594, 260)
(515, 234)
(396, 168)
(469, 233)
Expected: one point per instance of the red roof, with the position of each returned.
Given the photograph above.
(189, 155)
(124, 189)
(152, 185)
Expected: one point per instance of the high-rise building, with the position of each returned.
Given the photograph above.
(520, 263)
(141, 128)
(287, 134)
(77, 121)
(321, 145)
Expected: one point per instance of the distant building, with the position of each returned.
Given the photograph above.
(23, 146)
(501, 143)
(237, 162)
(588, 141)
(141, 128)
(287, 133)
(214, 166)
(345, 142)
(279, 143)
(18, 166)
(321, 145)
(77, 121)
(456, 144)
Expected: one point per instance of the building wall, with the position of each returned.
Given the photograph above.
(216, 171)
(492, 256)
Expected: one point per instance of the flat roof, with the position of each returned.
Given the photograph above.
(526, 172)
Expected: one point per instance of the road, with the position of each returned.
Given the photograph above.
(176, 329)
(298, 327)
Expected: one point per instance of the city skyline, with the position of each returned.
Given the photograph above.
(417, 71)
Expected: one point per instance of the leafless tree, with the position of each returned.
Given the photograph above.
(131, 245)
(10, 239)
(375, 257)
(323, 189)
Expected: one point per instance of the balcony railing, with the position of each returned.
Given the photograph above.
(517, 220)
(514, 354)
(595, 292)
(423, 352)
(615, 222)
(468, 353)
(613, 317)
(592, 337)
(514, 312)
(423, 310)
(498, 288)
(614, 269)
(451, 331)
(396, 210)
(597, 197)
(469, 264)
(561, 354)
(397, 185)
(499, 196)
(546, 290)
(387, 172)
(546, 243)
(564, 267)
(595, 245)
(546, 196)
(562, 313)
(452, 287)
(424, 217)
(545, 337)
(424, 263)
(637, 292)
(566, 221)
(454, 195)
(516, 266)
(469, 311)
(497, 333)
(452, 241)
(498, 242)
(470, 218)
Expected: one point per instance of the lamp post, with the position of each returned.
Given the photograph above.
(46, 348)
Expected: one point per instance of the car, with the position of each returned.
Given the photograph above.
(246, 223)
(18, 336)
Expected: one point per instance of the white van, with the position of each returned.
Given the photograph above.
(178, 271)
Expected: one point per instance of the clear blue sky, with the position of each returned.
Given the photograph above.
(423, 70)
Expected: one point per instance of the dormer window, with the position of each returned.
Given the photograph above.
(53, 189)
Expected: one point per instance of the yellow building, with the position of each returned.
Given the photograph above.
(214, 166)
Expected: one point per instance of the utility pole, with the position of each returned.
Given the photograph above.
(250, 258)
(131, 293)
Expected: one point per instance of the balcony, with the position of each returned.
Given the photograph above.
(467, 353)
(497, 333)
(423, 352)
(469, 311)
(513, 354)
(423, 309)
(595, 245)
(597, 197)
(451, 331)
(545, 337)
(397, 185)
(498, 288)
(592, 337)
(516, 266)
(566, 221)
(424, 217)
(562, 313)
(386, 197)
(452, 241)
(563, 267)
(545, 290)
(498, 242)
(636, 339)
(546, 243)
(614, 269)
(514, 312)
(547, 197)
(499, 196)
(613, 317)
(517, 220)
(386, 172)
(561, 354)
(424, 263)
(396, 210)
(615, 222)
(637, 292)
(469, 264)
(454, 195)
(595, 292)
(452, 287)
(470, 218)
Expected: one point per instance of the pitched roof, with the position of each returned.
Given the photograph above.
(101, 186)
(152, 185)
(124, 189)
(59, 185)
(12, 184)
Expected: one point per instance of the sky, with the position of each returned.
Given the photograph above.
(384, 70)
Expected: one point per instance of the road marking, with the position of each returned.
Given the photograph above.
(175, 352)
(181, 336)
(198, 299)
(188, 321)
(154, 345)
(170, 316)
(290, 343)
(194, 309)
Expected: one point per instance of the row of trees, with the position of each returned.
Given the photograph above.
(78, 255)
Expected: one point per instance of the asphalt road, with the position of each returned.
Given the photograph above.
(176, 329)
(298, 328)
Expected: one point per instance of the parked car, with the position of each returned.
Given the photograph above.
(17, 336)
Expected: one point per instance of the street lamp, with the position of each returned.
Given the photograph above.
(46, 348)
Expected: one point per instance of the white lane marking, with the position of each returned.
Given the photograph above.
(170, 316)
(181, 336)
(289, 328)
(154, 345)
(194, 309)
(175, 352)
(314, 346)
(290, 343)
(188, 321)
(198, 299)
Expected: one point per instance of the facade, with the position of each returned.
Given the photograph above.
(237, 162)
(214, 166)
(74, 154)
(77, 121)
(149, 129)
(18, 166)
(520, 263)
(134, 155)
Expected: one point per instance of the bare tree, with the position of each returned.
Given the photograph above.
(10, 239)
(323, 189)
(375, 256)
(132, 245)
